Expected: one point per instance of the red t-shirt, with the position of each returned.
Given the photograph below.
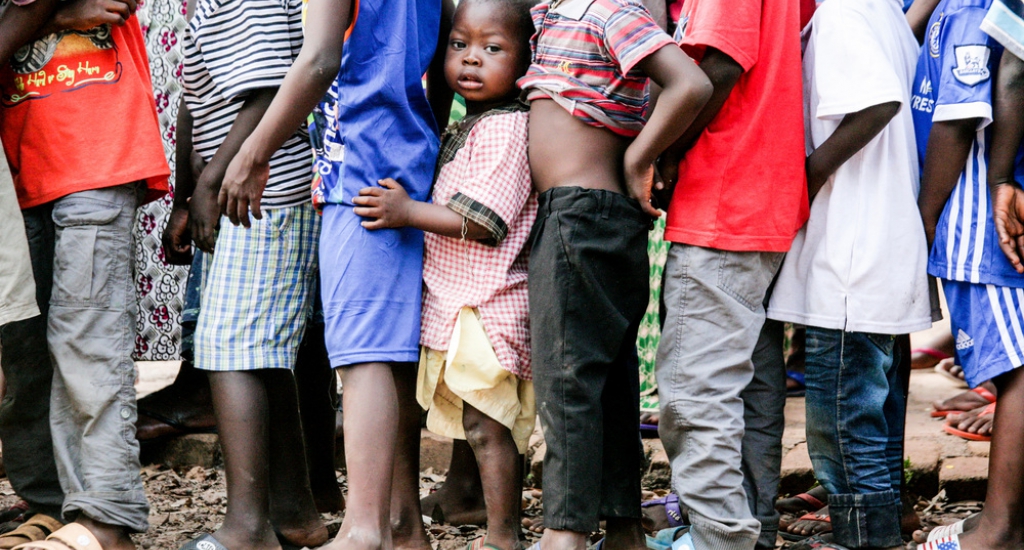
(742, 186)
(77, 113)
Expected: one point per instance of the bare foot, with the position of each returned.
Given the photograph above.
(977, 421)
(921, 535)
(454, 506)
(110, 537)
(808, 527)
(352, 539)
(968, 400)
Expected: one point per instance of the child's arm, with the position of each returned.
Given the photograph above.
(307, 81)
(949, 144)
(854, 132)
(204, 210)
(392, 207)
(917, 16)
(439, 95)
(1007, 133)
(177, 239)
(684, 91)
(723, 72)
(82, 15)
(21, 24)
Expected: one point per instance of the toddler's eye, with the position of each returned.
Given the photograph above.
(491, 48)
(457, 45)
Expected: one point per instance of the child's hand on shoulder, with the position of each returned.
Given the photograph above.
(389, 205)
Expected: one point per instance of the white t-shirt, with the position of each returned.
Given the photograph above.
(859, 264)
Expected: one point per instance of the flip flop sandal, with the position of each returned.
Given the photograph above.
(819, 542)
(203, 542)
(980, 390)
(73, 536)
(35, 528)
(946, 531)
(951, 542)
(672, 509)
(989, 409)
(814, 503)
(937, 354)
(810, 516)
(13, 517)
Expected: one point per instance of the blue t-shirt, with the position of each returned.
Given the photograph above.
(375, 122)
(954, 79)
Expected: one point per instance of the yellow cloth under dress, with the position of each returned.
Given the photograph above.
(470, 372)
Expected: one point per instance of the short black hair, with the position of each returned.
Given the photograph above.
(516, 14)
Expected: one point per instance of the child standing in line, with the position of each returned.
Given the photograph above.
(375, 121)
(258, 281)
(68, 419)
(970, 202)
(474, 373)
(590, 146)
(855, 275)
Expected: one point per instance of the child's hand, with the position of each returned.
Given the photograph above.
(242, 188)
(176, 238)
(82, 15)
(639, 182)
(204, 216)
(1008, 214)
(389, 204)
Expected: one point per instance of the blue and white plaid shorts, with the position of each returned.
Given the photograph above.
(257, 292)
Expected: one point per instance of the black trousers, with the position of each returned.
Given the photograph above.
(589, 288)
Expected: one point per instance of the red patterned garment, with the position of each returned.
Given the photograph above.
(488, 182)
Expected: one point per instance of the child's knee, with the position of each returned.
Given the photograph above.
(482, 430)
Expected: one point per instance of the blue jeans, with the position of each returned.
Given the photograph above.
(855, 420)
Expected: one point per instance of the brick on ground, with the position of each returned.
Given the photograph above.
(797, 471)
(924, 455)
(964, 477)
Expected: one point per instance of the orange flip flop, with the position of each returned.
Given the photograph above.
(989, 409)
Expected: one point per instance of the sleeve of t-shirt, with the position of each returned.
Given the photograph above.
(1005, 24)
(498, 184)
(248, 44)
(732, 27)
(965, 77)
(631, 34)
(852, 69)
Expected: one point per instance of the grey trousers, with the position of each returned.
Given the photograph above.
(764, 407)
(82, 258)
(714, 314)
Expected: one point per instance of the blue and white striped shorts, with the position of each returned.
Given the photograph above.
(988, 326)
(257, 292)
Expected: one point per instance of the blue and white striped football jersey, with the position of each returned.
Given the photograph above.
(954, 80)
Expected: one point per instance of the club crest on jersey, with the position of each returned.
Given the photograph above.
(972, 64)
(933, 38)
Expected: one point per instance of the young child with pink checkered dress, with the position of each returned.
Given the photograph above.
(474, 374)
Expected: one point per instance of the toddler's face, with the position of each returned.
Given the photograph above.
(482, 61)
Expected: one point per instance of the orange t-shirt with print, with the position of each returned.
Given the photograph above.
(77, 113)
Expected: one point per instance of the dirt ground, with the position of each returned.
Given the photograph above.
(185, 504)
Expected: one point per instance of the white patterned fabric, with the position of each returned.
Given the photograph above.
(160, 287)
